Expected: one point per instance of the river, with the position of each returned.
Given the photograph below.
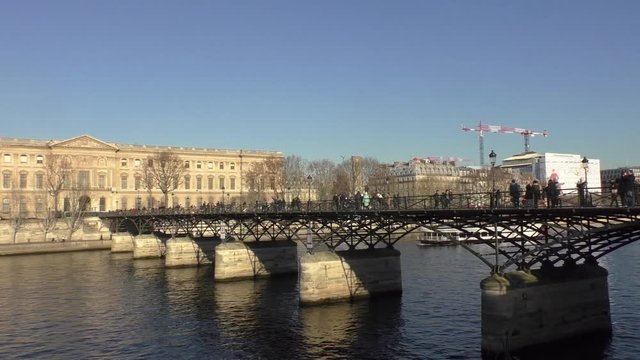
(98, 305)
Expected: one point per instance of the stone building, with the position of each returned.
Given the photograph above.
(422, 176)
(112, 174)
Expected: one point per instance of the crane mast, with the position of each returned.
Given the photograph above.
(482, 128)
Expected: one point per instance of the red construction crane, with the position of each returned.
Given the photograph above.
(482, 128)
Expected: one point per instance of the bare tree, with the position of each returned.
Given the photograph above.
(47, 217)
(148, 180)
(370, 168)
(293, 174)
(57, 168)
(264, 175)
(165, 171)
(76, 203)
(342, 181)
(17, 212)
(323, 172)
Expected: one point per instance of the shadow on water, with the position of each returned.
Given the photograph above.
(589, 347)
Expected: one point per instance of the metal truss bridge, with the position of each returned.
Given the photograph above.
(502, 238)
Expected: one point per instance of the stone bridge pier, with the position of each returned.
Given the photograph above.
(348, 275)
(523, 309)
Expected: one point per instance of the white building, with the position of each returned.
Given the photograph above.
(567, 169)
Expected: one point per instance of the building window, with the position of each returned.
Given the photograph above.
(210, 165)
(7, 158)
(186, 164)
(221, 183)
(123, 162)
(187, 182)
(39, 181)
(66, 181)
(199, 183)
(232, 183)
(39, 159)
(6, 205)
(221, 166)
(199, 165)
(103, 204)
(23, 205)
(136, 162)
(84, 179)
(210, 183)
(39, 205)
(123, 182)
(23, 180)
(137, 183)
(232, 166)
(150, 163)
(123, 203)
(102, 181)
(23, 159)
(6, 180)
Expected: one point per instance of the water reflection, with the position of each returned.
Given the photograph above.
(365, 329)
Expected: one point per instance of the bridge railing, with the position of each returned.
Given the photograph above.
(593, 197)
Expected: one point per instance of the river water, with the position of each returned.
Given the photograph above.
(98, 305)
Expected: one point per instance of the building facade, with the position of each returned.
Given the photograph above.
(112, 174)
(421, 176)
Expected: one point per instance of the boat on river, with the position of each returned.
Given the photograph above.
(446, 236)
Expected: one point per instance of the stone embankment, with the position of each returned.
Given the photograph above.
(30, 238)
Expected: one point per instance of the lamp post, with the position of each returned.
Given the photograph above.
(492, 158)
(309, 180)
(585, 191)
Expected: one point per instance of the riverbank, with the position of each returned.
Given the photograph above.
(53, 247)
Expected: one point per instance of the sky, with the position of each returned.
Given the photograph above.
(327, 79)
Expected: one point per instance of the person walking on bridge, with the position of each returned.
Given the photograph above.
(514, 193)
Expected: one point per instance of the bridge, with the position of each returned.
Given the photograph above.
(544, 280)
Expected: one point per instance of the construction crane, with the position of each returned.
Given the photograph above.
(483, 128)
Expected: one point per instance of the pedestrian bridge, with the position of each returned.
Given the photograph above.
(523, 238)
(545, 283)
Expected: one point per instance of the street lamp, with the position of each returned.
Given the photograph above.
(309, 179)
(585, 166)
(492, 158)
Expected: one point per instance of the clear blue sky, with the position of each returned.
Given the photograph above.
(325, 79)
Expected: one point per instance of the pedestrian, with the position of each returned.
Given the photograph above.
(514, 193)
(628, 184)
(550, 193)
(536, 193)
(366, 200)
(613, 191)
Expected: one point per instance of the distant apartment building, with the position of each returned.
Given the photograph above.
(421, 176)
(112, 174)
